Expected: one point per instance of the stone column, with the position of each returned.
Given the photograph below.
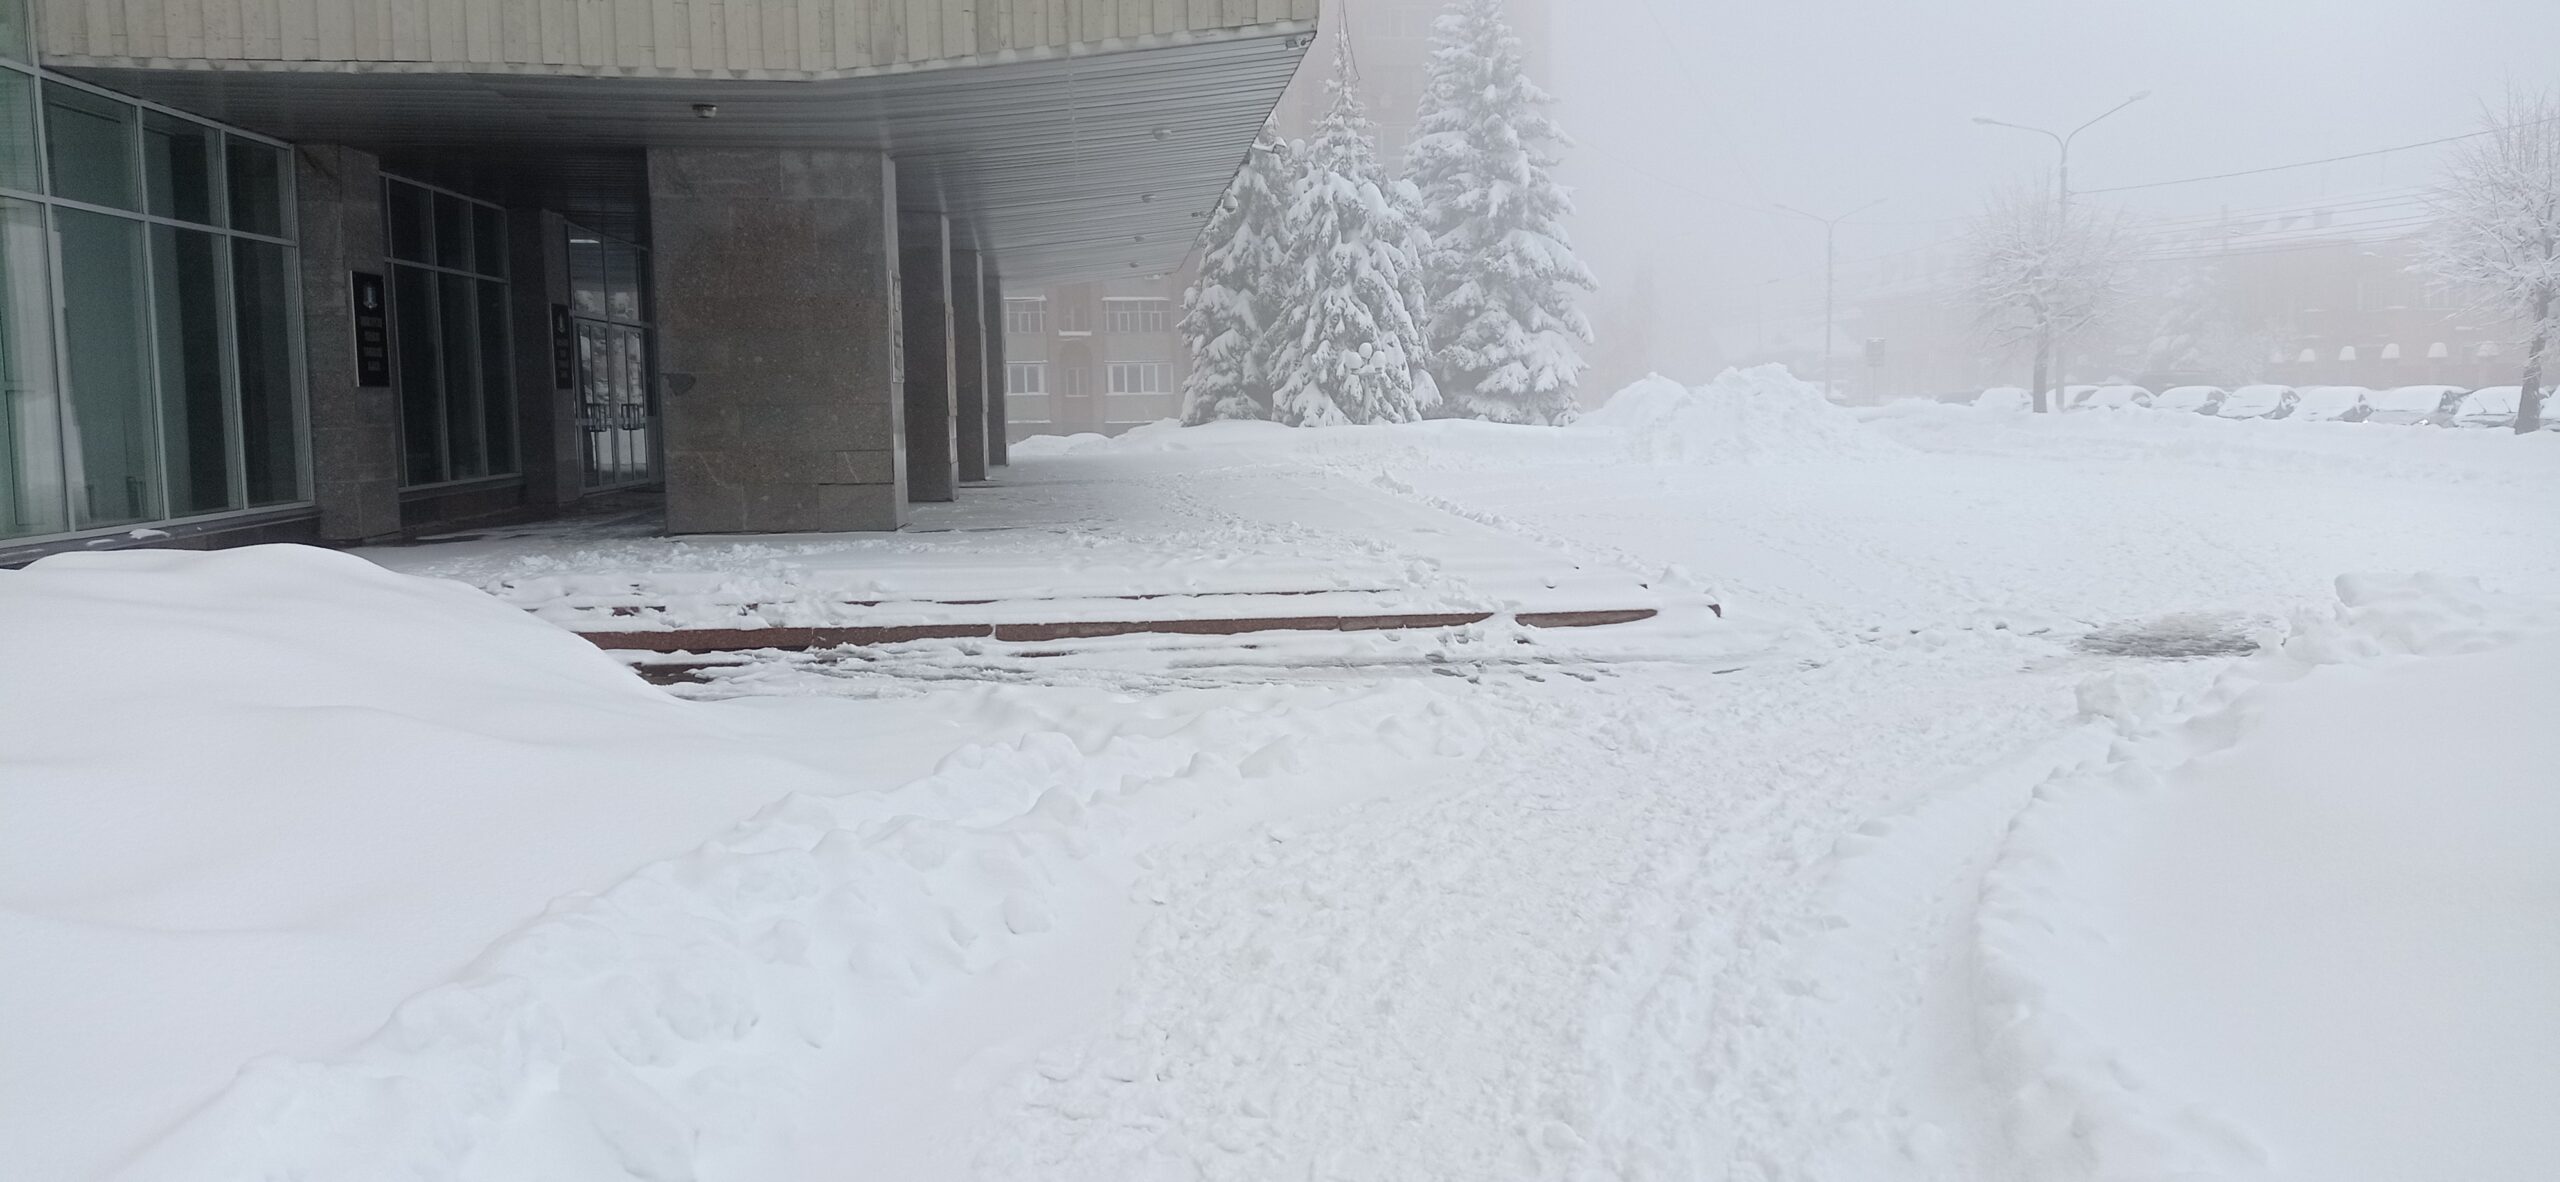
(933, 390)
(969, 360)
(999, 406)
(550, 442)
(355, 430)
(778, 336)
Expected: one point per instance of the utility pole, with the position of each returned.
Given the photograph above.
(1830, 281)
(2047, 348)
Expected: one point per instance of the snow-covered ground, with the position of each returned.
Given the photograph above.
(2046, 806)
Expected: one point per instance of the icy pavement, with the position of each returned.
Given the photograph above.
(1766, 898)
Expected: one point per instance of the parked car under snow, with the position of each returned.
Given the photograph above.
(2112, 398)
(2004, 398)
(2488, 406)
(2258, 402)
(2196, 400)
(2411, 406)
(2333, 404)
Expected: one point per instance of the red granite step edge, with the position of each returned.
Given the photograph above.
(731, 640)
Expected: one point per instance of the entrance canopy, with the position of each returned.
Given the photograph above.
(1065, 155)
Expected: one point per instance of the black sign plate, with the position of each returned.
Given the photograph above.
(564, 349)
(373, 329)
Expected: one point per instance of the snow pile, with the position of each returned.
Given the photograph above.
(2304, 930)
(256, 797)
(260, 800)
(1750, 416)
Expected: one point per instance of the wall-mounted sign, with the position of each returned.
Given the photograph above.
(564, 349)
(372, 305)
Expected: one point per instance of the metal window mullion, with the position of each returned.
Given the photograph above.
(443, 381)
(154, 405)
(143, 216)
(226, 306)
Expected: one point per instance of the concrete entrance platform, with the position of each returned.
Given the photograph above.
(1059, 547)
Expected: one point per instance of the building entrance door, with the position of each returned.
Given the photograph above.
(615, 410)
(617, 390)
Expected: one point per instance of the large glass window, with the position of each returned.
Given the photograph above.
(195, 411)
(179, 174)
(31, 483)
(258, 186)
(448, 305)
(149, 364)
(89, 139)
(107, 357)
(18, 167)
(270, 417)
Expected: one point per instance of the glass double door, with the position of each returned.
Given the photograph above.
(616, 412)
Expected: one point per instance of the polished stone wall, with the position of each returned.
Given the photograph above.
(933, 391)
(355, 430)
(778, 317)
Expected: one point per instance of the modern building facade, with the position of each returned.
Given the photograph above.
(345, 270)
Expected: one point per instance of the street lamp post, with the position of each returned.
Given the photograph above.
(2045, 344)
(1830, 276)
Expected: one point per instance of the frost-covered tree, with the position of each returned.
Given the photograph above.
(2038, 274)
(1350, 346)
(1245, 281)
(2497, 234)
(1501, 280)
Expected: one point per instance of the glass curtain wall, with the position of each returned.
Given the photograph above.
(617, 403)
(449, 327)
(149, 359)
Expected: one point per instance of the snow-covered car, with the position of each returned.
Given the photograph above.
(2073, 396)
(2258, 402)
(2412, 406)
(2112, 398)
(2194, 400)
(2333, 404)
(2488, 406)
(2004, 398)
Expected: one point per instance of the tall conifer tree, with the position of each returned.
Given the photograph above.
(1502, 282)
(1350, 346)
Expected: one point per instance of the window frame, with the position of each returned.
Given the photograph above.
(55, 367)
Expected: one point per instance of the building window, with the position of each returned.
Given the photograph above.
(1074, 381)
(1026, 388)
(1136, 315)
(1026, 317)
(150, 344)
(1141, 377)
(1075, 320)
(449, 334)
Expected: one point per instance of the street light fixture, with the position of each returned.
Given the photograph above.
(2062, 205)
(1830, 257)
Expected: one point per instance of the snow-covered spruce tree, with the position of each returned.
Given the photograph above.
(1502, 282)
(2039, 275)
(1350, 344)
(1245, 281)
(2497, 234)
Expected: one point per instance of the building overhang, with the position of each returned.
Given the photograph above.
(1083, 162)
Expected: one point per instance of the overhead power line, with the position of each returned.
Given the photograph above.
(2224, 176)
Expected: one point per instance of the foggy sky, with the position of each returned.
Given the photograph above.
(1826, 105)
